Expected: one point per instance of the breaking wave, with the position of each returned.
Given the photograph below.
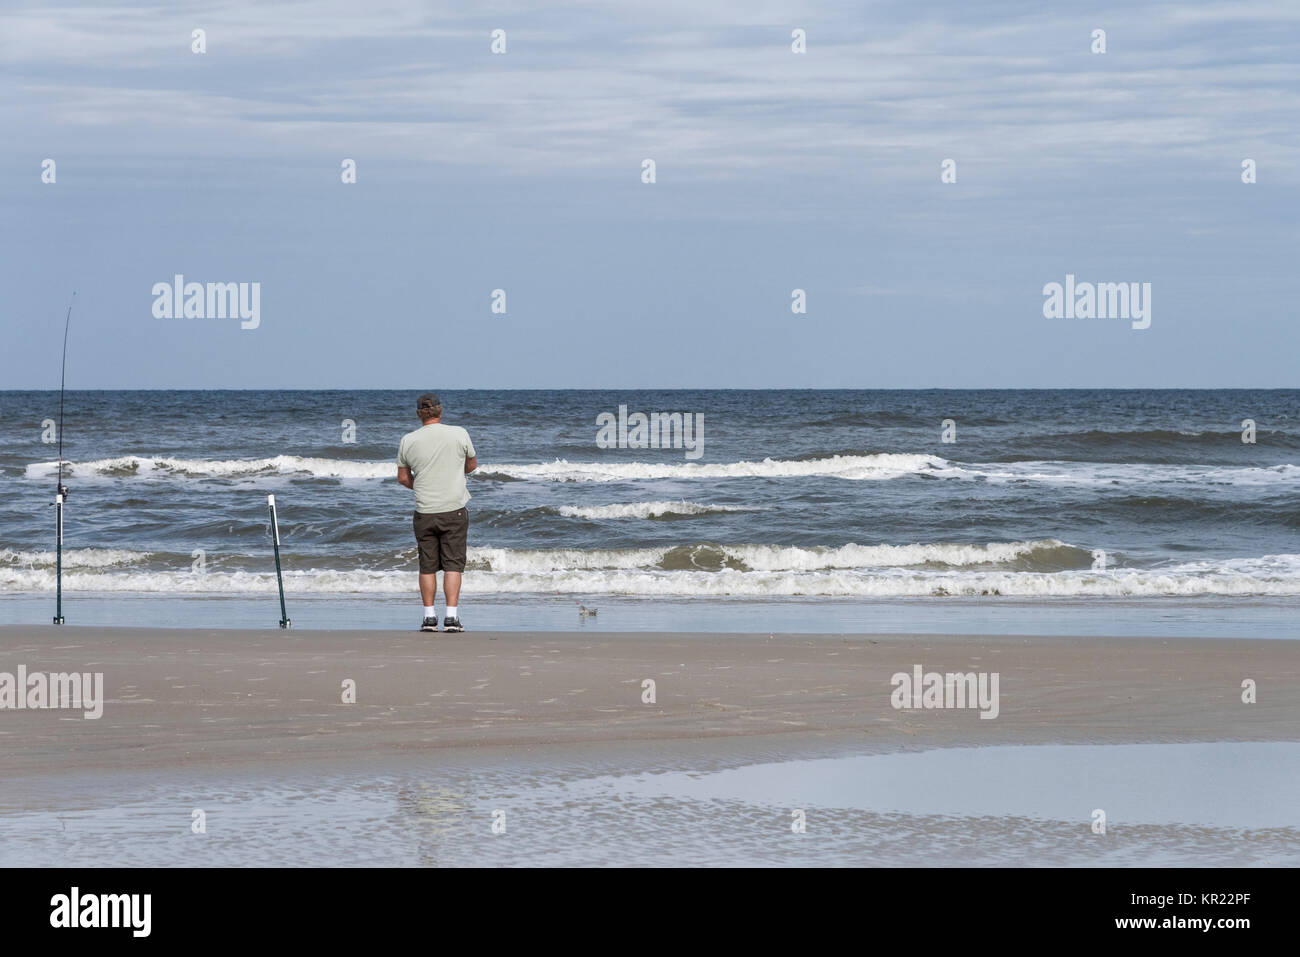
(72, 558)
(163, 467)
(723, 583)
(867, 467)
(1040, 569)
(649, 510)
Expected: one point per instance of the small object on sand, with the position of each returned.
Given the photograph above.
(585, 612)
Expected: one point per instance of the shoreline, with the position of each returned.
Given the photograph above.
(1167, 617)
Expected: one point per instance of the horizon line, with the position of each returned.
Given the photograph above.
(425, 388)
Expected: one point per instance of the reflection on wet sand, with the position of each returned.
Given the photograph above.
(1190, 804)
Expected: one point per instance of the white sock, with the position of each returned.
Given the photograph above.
(430, 611)
(451, 611)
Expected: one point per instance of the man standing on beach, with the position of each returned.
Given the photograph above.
(433, 461)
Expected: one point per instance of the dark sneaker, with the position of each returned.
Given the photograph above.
(452, 624)
(430, 624)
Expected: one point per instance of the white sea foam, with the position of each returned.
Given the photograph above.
(73, 558)
(882, 466)
(650, 583)
(878, 467)
(648, 510)
(562, 559)
(1104, 474)
(779, 558)
(637, 573)
(166, 466)
(767, 557)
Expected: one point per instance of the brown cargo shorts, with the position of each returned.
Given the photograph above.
(441, 537)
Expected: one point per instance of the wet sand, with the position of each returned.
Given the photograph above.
(213, 699)
(451, 736)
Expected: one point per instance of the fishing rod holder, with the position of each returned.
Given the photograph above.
(279, 576)
(58, 552)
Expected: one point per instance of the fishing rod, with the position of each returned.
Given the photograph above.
(61, 490)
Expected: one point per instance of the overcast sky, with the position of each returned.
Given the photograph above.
(775, 171)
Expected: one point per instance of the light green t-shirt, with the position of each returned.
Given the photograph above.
(436, 456)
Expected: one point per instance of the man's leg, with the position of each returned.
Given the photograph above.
(450, 587)
(429, 588)
(427, 547)
(451, 556)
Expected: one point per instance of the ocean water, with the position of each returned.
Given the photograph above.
(834, 506)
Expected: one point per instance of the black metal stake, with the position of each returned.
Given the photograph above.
(279, 577)
(58, 558)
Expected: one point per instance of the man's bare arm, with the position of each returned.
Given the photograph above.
(471, 464)
(404, 476)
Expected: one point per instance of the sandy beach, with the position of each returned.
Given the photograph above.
(550, 729)
(212, 698)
